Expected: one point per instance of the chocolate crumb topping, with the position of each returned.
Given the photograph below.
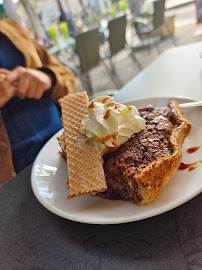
(150, 144)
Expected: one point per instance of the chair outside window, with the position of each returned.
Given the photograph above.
(87, 48)
(117, 41)
(146, 30)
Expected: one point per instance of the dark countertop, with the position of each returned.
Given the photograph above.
(33, 238)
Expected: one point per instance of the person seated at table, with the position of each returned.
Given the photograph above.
(31, 82)
(67, 17)
(135, 6)
(45, 42)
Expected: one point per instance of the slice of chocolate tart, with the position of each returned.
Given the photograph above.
(140, 168)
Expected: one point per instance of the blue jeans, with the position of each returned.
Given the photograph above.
(29, 123)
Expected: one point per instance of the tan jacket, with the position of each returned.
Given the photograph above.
(35, 57)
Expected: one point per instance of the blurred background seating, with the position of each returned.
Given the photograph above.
(148, 28)
(88, 51)
(117, 41)
(170, 20)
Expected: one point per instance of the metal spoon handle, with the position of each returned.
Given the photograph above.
(190, 104)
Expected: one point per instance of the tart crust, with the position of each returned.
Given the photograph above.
(153, 178)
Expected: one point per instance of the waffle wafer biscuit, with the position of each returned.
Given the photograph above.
(85, 164)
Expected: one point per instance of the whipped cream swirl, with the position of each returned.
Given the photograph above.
(110, 124)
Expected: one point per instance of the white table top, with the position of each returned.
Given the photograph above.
(177, 72)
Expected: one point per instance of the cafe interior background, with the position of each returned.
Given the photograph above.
(55, 24)
(32, 237)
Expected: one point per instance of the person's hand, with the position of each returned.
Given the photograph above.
(29, 83)
(3, 74)
(6, 93)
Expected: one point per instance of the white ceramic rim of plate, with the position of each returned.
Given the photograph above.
(187, 99)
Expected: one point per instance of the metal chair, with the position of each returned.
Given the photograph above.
(87, 48)
(117, 41)
(146, 29)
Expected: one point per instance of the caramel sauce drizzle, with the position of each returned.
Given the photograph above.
(192, 168)
(112, 104)
(115, 134)
(193, 149)
(107, 114)
(184, 166)
(113, 148)
(110, 149)
(105, 99)
(106, 138)
(91, 105)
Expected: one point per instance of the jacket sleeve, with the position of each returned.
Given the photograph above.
(64, 79)
(6, 164)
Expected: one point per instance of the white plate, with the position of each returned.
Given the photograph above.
(49, 175)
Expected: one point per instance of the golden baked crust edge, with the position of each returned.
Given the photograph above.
(154, 177)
